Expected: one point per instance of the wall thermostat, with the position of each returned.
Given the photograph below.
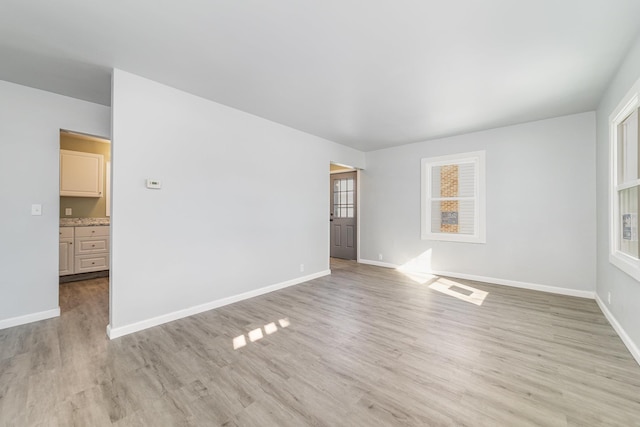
(154, 183)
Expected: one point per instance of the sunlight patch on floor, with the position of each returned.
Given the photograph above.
(284, 322)
(448, 287)
(256, 334)
(270, 328)
(239, 341)
(418, 269)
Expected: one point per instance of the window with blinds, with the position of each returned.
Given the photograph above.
(453, 198)
(625, 184)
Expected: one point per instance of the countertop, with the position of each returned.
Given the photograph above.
(83, 222)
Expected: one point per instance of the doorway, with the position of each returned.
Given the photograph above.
(84, 243)
(343, 215)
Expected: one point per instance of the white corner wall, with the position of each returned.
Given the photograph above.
(540, 207)
(30, 122)
(624, 310)
(244, 202)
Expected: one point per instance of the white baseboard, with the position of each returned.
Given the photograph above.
(34, 317)
(169, 317)
(628, 342)
(626, 339)
(497, 281)
(517, 284)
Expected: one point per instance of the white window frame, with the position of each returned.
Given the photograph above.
(624, 262)
(476, 157)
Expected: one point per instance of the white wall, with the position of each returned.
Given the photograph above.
(624, 310)
(30, 122)
(540, 205)
(229, 218)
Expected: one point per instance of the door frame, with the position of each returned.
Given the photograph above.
(358, 189)
(107, 186)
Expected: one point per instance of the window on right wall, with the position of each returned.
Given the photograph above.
(453, 198)
(624, 247)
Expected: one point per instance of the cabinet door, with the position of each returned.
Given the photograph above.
(66, 257)
(81, 174)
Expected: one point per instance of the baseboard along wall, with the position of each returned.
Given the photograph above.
(113, 333)
(494, 280)
(28, 318)
(626, 339)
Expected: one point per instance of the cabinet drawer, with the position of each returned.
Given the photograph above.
(90, 245)
(99, 230)
(86, 263)
(66, 232)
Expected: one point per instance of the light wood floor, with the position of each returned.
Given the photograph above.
(365, 346)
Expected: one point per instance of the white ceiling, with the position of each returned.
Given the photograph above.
(365, 73)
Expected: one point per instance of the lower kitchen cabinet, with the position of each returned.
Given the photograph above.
(84, 249)
(67, 253)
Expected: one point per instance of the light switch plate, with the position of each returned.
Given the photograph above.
(154, 183)
(36, 209)
(68, 211)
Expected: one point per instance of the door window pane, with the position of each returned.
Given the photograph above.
(343, 198)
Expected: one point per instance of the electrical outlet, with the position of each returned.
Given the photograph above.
(301, 268)
(68, 211)
(609, 297)
(379, 257)
(154, 183)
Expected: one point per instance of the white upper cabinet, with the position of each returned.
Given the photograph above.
(81, 174)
